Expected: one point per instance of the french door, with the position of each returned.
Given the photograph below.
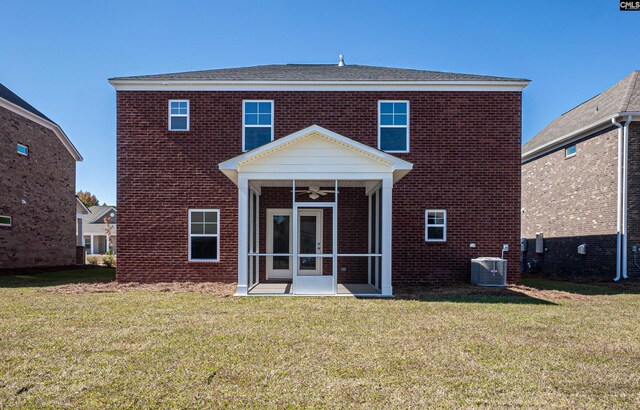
(279, 229)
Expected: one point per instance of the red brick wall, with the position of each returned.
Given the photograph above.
(43, 232)
(465, 147)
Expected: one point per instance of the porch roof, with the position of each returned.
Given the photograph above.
(315, 153)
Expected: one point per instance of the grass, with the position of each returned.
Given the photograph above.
(552, 345)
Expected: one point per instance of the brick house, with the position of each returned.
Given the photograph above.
(37, 191)
(581, 186)
(316, 179)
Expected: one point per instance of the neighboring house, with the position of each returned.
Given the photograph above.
(578, 190)
(37, 188)
(316, 179)
(97, 236)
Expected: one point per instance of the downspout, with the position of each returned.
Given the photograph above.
(625, 203)
(618, 209)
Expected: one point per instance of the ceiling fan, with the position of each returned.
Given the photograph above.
(314, 192)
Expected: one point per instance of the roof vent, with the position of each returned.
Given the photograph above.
(341, 62)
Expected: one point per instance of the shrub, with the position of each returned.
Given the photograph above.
(108, 261)
(92, 260)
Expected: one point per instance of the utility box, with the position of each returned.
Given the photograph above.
(524, 244)
(539, 243)
(489, 272)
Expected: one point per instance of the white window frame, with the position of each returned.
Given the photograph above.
(187, 115)
(26, 147)
(217, 235)
(244, 125)
(392, 126)
(10, 220)
(570, 155)
(427, 225)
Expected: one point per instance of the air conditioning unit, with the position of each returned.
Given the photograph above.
(489, 272)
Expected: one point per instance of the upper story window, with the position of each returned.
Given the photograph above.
(178, 115)
(22, 149)
(257, 123)
(436, 225)
(393, 126)
(570, 151)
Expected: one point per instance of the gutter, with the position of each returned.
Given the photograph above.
(622, 218)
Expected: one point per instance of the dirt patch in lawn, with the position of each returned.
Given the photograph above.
(463, 290)
(211, 288)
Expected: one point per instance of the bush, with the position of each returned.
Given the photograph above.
(108, 261)
(92, 260)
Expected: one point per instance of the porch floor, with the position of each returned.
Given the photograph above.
(286, 289)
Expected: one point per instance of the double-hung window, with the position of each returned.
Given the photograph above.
(393, 126)
(204, 235)
(435, 225)
(257, 123)
(178, 115)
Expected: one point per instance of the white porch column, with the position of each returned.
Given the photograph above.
(387, 212)
(243, 238)
(91, 248)
(80, 240)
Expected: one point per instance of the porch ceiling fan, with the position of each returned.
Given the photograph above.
(314, 192)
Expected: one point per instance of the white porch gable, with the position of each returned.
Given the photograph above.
(315, 153)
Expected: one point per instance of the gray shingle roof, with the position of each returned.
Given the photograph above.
(317, 72)
(96, 212)
(624, 96)
(12, 97)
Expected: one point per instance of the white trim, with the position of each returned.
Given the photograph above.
(209, 85)
(397, 166)
(244, 126)
(187, 116)
(393, 126)
(83, 206)
(16, 109)
(216, 235)
(26, 148)
(386, 234)
(10, 220)
(442, 225)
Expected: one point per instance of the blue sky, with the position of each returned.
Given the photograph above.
(58, 54)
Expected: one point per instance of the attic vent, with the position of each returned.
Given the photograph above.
(597, 108)
(341, 62)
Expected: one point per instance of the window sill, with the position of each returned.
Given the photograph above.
(569, 156)
(204, 261)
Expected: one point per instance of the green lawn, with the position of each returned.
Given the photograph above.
(566, 345)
